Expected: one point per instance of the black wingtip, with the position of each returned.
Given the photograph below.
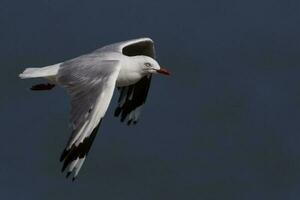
(73, 179)
(80, 151)
(129, 122)
(123, 116)
(68, 174)
(117, 111)
(63, 155)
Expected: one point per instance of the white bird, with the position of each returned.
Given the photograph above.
(90, 80)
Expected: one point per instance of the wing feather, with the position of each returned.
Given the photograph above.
(90, 81)
(132, 98)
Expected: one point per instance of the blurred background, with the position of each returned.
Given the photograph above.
(225, 125)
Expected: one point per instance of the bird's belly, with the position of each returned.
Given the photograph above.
(125, 79)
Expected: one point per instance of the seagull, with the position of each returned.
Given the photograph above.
(90, 80)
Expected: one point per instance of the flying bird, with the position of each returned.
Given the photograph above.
(90, 80)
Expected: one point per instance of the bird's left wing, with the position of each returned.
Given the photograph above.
(90, 81)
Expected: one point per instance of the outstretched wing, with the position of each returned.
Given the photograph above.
(134, 96)
(90, 81)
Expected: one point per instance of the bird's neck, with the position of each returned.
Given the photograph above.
(130, 73)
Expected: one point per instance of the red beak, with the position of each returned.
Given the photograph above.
(163, 71)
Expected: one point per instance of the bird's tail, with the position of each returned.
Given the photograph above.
(45, 72)
(48, 72)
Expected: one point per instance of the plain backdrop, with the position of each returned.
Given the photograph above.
(225, 125)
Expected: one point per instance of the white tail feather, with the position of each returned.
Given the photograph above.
(46, 72)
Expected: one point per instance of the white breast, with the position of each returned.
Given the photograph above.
(126, 78)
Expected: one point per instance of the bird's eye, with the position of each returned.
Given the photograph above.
(147, 64)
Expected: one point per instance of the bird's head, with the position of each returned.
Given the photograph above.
(149, 65)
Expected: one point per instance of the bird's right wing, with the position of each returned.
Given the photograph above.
(90, 81)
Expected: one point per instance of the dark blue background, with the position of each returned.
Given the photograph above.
(225, 125)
